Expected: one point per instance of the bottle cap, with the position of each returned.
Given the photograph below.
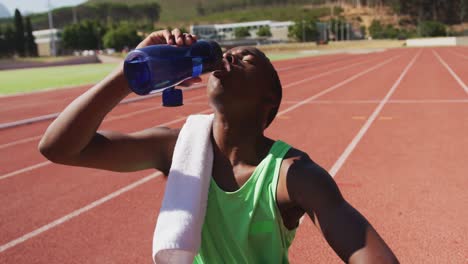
(172, 97)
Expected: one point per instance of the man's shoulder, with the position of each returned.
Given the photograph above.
(303, 175)
(298, 162)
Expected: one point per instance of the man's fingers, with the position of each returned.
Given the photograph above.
(178, 36)
(188, 39)
(169, 37)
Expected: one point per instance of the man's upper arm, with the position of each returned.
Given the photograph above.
(150, 148)
(345, 229)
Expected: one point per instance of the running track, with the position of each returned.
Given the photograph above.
(390, 127)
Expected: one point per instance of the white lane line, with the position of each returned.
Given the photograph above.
(303, 102)
(423, 101)
(90, 206)
(17, 142)
(336, 102)
(45, 163)
(21, 141)
(108, 119)
(327, 73)
(454, 75)
(41, 118)
(30, 168)
(318, 62)
(429, 101)
(76, 213)
(349, 149)
(145, 110)
(459, 54)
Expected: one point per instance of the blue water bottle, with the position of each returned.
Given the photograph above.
(161, 67)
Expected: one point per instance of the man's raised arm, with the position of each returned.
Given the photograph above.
(349, 234)
(72, 139)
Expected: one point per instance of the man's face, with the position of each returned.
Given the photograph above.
(244, 83)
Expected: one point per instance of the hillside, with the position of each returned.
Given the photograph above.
(183, 12)
(401, 14)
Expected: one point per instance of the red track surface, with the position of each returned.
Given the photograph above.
(406, 174)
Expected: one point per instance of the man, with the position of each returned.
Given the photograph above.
(253, 176)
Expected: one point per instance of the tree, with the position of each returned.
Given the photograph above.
(376, 30)
(86, 35)
(379, 31)
(19, 34)
(7, 41)
(31, 47)
(241, 32)
(3, 43)
(304, 30)
(432, 29)
(264, 31)
(124, 35)
(462, 10)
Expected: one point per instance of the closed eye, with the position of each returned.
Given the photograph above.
(249, 59)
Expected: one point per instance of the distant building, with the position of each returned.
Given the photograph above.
(43, 39)
(225, 32)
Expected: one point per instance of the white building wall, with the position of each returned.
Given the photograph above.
(431, 42)
(43, 40)
(462, 41)
(279, 30)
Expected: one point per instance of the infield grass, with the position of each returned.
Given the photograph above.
(27, 80)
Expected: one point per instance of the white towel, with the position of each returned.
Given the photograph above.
(177, 237)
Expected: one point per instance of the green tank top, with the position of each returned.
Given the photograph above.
(245, 226)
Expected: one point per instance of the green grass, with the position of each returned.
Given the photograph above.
(286, 56)
(44, 59)
(27, 80)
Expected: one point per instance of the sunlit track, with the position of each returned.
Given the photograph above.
(454, 75)
(404, 169)
(90, 206)
(349, 149)
(459, 54)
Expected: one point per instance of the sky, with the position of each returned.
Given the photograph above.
(36, 6)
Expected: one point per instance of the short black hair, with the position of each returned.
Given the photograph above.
(278, 93)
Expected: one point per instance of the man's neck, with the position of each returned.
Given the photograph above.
(240, 140)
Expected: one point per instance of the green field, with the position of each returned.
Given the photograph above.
(26, 80)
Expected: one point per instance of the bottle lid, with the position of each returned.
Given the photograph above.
(172, 97)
